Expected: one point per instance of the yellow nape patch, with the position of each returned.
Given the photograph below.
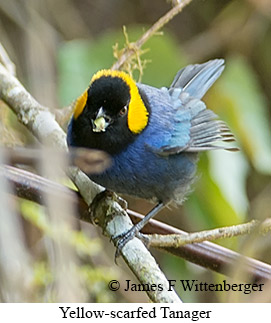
(137, 112)
(80, 104)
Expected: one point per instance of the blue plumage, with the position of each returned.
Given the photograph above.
(160, 162)
(140, 170)
(153, 135)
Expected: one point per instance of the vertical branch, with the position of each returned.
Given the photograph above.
(62, 256)
(15, 263)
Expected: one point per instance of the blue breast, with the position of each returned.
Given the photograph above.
(138, 170)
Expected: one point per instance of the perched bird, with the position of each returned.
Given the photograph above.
(153, 135)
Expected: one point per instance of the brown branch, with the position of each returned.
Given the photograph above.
(209, 255)
(90, 161)
(135, 47)
(41, 122)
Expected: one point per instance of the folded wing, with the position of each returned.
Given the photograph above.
(195, 128)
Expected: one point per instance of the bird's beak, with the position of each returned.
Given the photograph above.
(101, 122)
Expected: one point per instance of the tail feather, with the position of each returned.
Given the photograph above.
(197, 79)
(206, 131)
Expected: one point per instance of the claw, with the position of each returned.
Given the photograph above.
(122, 239)
(122, 202)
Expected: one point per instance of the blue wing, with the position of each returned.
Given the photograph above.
(188, 125)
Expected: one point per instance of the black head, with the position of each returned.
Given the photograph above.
(104, 114)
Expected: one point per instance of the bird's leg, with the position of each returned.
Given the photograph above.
(123, 238)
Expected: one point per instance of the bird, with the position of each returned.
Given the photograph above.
(153, 135)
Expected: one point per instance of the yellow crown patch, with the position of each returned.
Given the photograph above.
(137, 112)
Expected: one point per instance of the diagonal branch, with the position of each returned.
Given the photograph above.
(206, 254)
(135, 47)
(41, 122)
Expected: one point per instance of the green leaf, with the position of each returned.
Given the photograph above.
(240, 101)
(229, 171)
(208, 207)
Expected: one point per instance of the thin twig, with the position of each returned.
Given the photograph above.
(132, 49)
(135, 47)
(177, 240)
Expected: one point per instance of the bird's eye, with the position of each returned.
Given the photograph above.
(123, 111)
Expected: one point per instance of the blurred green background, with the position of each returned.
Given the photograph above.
(57, 46)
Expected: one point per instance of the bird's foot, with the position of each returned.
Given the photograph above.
(122, 239)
